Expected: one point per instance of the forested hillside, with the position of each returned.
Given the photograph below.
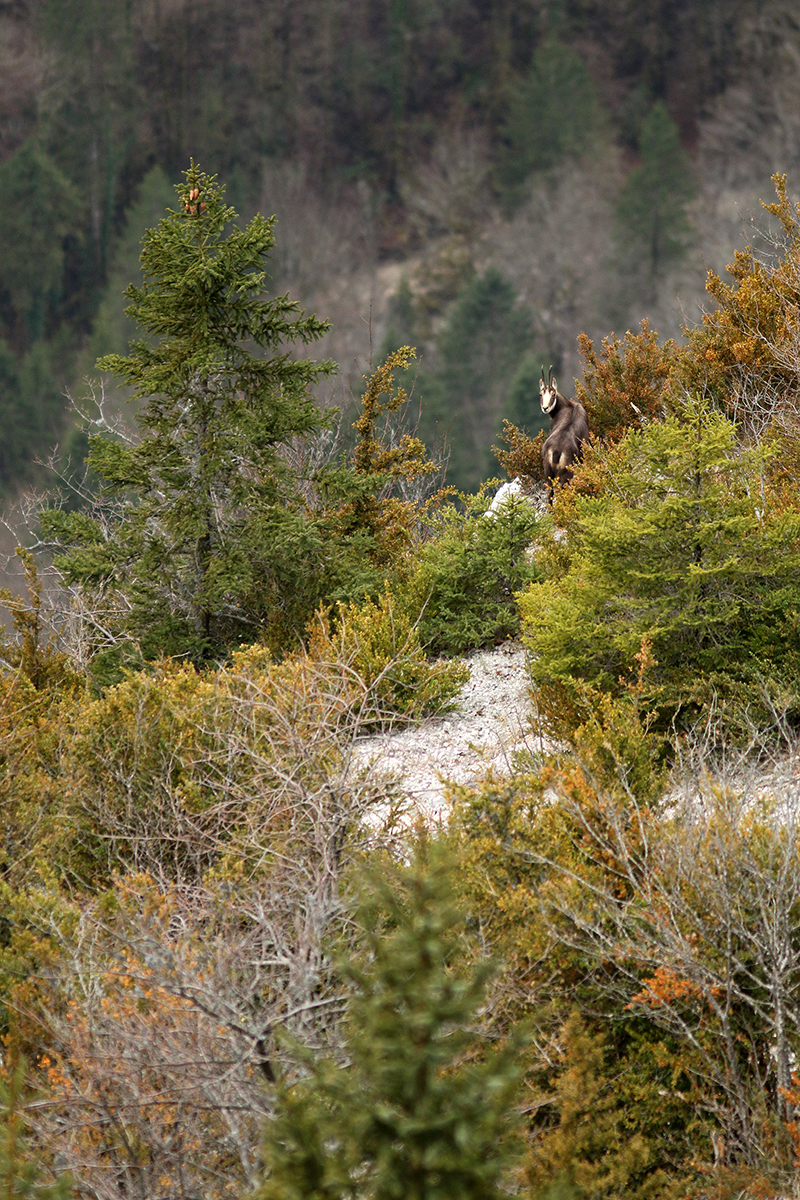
(485, 180)
(235, 960)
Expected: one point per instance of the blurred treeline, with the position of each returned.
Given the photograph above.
(491, 178)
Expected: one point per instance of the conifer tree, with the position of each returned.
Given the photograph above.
(40, 209)
(682, 544)
(652, 206)
(212, 538)
(552, 114)
(414, 1113)
(480, 347)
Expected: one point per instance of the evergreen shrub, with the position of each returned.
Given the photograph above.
(684, 547)
(378, 641)
(421, 1107)
(468, 573)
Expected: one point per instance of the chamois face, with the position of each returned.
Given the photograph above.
(548, 393)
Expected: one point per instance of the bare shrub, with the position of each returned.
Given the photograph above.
(564, 278)
(232, 807)
(697, 908)
(448, 192)
(159, 1019)
(172, 772)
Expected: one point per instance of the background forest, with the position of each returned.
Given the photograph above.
(234, 960)
(485, 181)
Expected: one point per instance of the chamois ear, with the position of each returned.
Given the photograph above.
(542, 384)
(553, 384)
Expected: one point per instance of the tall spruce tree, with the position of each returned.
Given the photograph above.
(210, 540)
(479, 349)
(653, 226)
(416, 1112)
(552, 114)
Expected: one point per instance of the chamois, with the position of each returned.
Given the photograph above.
(568, 431)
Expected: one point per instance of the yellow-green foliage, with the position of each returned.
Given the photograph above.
(40, 696)
(370, 523)
(34, 921)
(524, 454)
(743, 354)
(467, 573)
(593, 1145)
(372, 455)
(173, 769)
(680, 543)
(751, 331)
(380, 644)
(144, 775)
(167, 770)
(419, 1108)
(20, 1172)
(532, 854)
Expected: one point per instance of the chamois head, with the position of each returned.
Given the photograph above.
(548, 391)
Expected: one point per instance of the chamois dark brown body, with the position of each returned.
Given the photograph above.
(569, 429)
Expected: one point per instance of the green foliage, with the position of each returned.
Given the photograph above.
(468, 572)
(39, 696)
(682, 547)
(372, 526)
(652, 207)
(552, 114)
(421, 1109)
(40, 209)
(592, 1151)
(478, 351)
(351, 96)
(21, 1176)
(18, 419)
(606, 1115)
(214, 541)
(379, 642)
(32, 407)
